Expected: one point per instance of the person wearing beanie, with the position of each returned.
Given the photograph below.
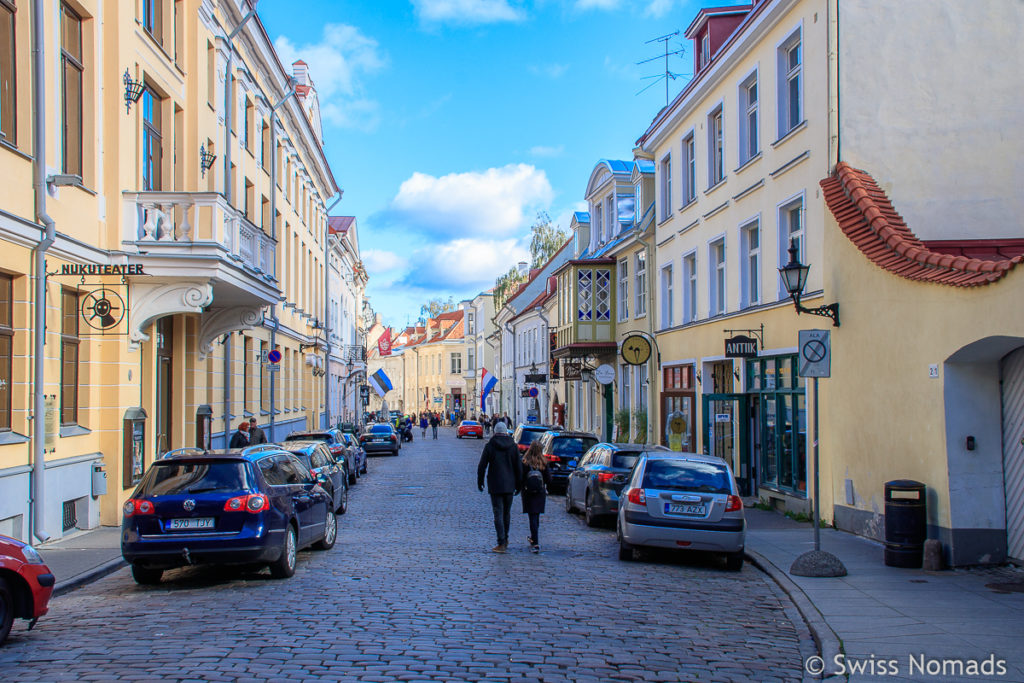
(499, 462)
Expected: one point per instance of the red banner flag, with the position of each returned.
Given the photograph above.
(384, 343)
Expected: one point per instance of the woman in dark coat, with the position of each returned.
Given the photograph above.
(534, 490)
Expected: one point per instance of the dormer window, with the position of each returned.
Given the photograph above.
(705, 50)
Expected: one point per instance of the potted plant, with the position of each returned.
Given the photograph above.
(640, 423)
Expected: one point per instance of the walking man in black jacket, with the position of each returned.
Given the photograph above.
(500, 462)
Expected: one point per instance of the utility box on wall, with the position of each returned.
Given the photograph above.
(204, 427)
(99, 479)
(133, 451)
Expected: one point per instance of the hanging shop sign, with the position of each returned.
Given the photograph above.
(573, 372)
(604, 373)
(741, 346)
(539, 378)
(553, 369)
(97, 269)
(636, 350)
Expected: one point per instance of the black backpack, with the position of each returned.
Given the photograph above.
(534, 482)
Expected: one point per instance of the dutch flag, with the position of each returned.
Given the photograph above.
(487, 382)
(380, 383)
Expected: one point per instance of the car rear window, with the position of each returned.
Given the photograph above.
(308, 437)
(470, 423)
(305, 458)
(571, 445)
(528, 435)
(170, 478)
(624, 459)
(381, 429)
(687, 475)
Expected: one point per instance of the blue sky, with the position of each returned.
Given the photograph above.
(450, 123)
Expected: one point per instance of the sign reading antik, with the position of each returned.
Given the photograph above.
(741, 346)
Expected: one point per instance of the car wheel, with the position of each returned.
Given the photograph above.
(330, 532)
(734, 561)
(6, 610)
(343, 503)
(284, 566)
(625, 549)
(144, 576)
(588, 513)
(458, 436)
(352, 478)
(568, 502)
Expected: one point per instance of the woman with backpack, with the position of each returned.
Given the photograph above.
(536, 477)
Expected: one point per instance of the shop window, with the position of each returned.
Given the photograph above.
(69, 350)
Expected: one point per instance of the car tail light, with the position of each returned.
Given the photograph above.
(605, 477)
(523, 448)
(138, 507)
(251, 502)
(552, 457)
(734, 504)
(394, 438)
(637, 496)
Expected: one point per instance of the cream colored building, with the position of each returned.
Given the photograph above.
(194, 267)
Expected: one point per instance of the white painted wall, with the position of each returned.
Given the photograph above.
(931, 106)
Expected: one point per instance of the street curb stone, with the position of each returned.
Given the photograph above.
(94, 574)
(829, 645)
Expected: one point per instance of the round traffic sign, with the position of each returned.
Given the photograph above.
(533, 392)
(274, 356)
(814, 351)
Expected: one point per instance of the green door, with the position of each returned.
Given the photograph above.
(726, 435)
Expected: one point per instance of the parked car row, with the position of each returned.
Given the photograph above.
(255, 506)
(655, 497)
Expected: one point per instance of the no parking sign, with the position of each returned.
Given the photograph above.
(815, 354)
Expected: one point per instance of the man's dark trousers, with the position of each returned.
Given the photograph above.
(501, 504)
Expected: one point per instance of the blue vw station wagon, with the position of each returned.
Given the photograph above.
(253, 506)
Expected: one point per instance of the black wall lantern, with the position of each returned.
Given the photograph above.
(206, 160)
(794, 277)
(132, 91)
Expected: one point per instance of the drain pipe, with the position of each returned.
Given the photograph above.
(273, 227)
(327, 314)
(39, 253)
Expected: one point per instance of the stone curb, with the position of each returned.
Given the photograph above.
(108, 567)
(825, 638)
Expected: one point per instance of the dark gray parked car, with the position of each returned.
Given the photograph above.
(596, 483)
(327, 471)
(380, 438)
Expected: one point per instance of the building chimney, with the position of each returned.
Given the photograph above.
(523, 267)
(301, 72)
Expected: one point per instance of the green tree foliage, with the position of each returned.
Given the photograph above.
(545, 240)
(436, 307)
(506, 285)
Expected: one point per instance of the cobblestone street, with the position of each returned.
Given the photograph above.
(412, 592)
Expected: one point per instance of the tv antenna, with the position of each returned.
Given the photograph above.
(668, 75)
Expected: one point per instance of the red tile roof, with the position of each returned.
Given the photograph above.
(867, 217)
(339, 224)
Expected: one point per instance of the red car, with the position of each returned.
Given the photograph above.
(25, 584)
(470, 428)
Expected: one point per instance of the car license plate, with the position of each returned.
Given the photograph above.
(193, 523)
(680, 509)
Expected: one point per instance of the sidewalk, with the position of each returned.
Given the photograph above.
(83, 557)
(885, 613)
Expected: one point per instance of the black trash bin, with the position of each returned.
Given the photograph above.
(906, 523)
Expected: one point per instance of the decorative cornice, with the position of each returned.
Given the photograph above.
(217, 322)
(151, 300)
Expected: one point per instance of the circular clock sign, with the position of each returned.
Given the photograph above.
(636, 350)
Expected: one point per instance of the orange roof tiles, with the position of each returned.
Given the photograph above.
(867, 217)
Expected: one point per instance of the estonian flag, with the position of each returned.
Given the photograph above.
(380, 383)
(487, 382)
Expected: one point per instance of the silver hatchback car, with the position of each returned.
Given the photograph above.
(684, 501)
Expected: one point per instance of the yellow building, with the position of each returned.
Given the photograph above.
(188, 232)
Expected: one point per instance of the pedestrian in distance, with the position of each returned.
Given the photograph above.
(503, 469)
(256, 435)
(486, 422)
(423, 425)
(240, 439)
(434, 421)
(535, 477)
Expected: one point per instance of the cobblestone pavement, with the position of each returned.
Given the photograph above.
(412, 592)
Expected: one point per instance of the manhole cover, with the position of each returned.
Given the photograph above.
(1008, 587)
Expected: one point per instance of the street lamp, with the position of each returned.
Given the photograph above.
(794, 277)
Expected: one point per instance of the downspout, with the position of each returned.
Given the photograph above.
(327, 313)
(650, 330)
(39, 252)
(273, 226)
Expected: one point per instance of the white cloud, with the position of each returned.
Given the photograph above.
(380, 261)
(584, 5)
(495, 202)
(466, 11)
(338, 65)
(658, 8)
(549, 70)
(467, 263)
(547, 151)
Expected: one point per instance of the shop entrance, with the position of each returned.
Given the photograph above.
(164, 381)
(726, 417)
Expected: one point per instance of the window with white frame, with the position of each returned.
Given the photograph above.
(705, 50)
(456, 363)
(640, 295)
(790, 60)
(624, 372)
(641, 386)
(623, 289)
(716, 148)
(750, 264)
(748, 119)
(470, 323)
(690, 287)
(597, 224)
(791, 230)
(667, 301)
(609, 217)
(470, 359)
(638, 205)
(666, 187)
(717, 274)
(689, 169)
